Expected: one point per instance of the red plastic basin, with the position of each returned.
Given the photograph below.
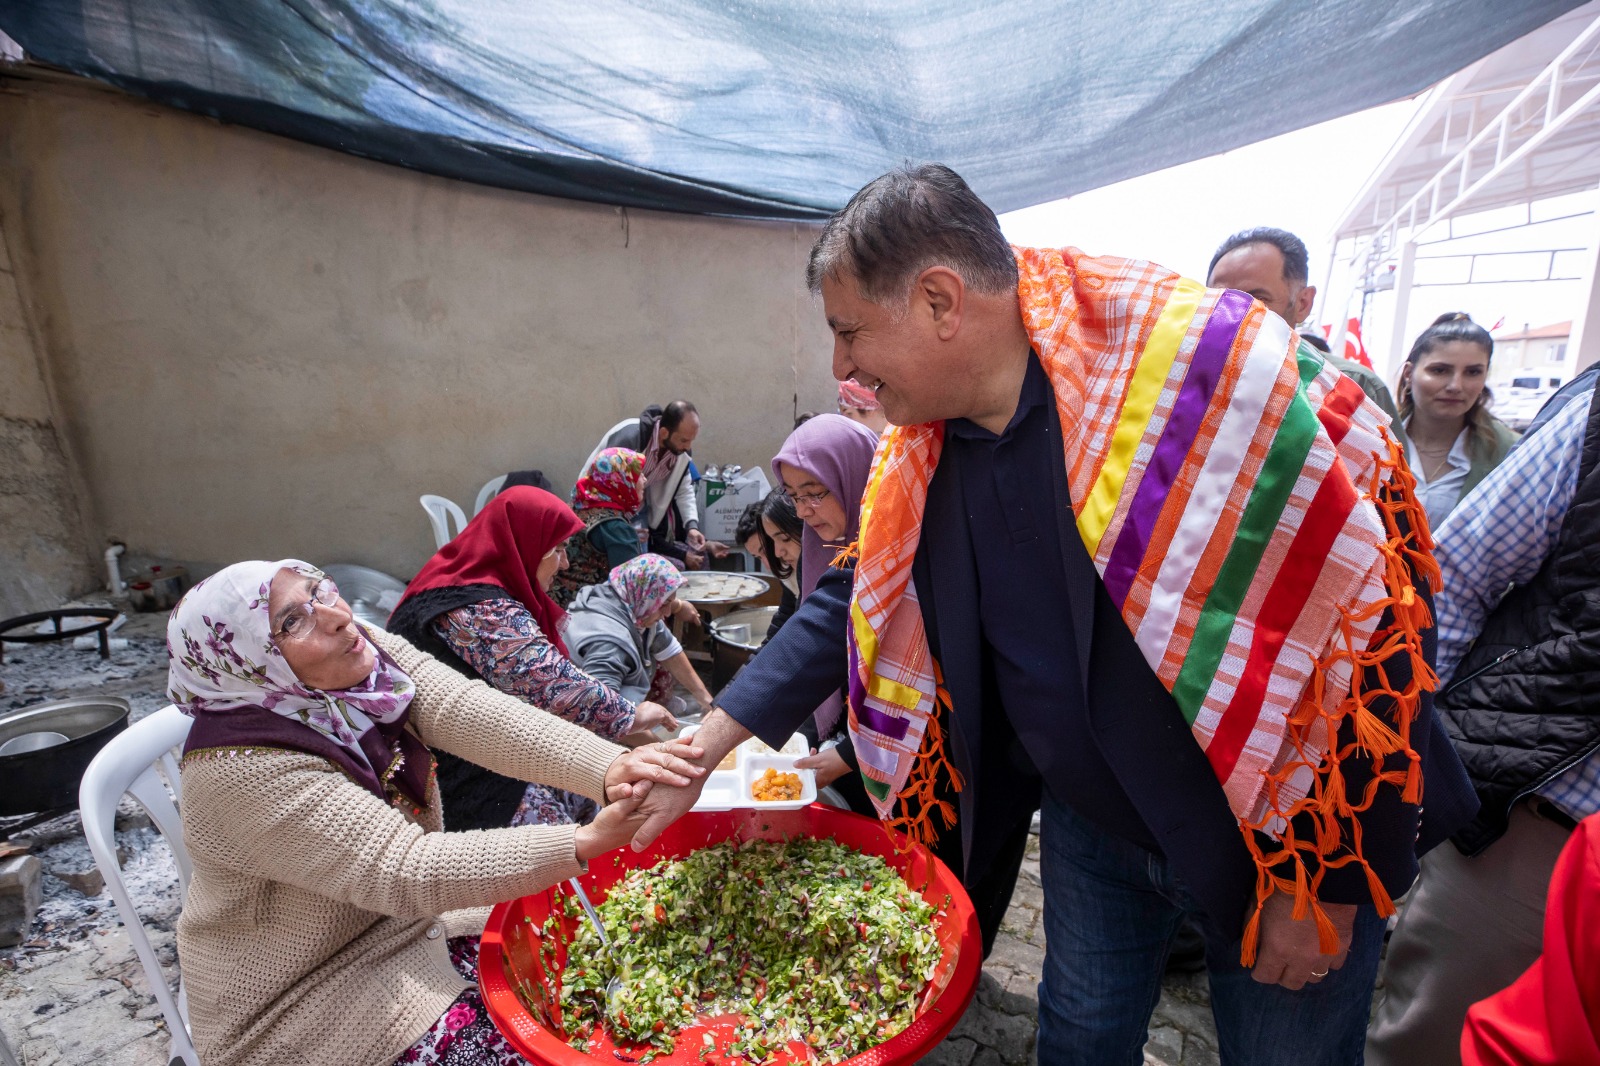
(513, 954)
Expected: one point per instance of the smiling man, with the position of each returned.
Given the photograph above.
(1128, 555)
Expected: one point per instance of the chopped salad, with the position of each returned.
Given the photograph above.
(811, 940)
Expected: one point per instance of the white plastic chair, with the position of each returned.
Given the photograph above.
(488, 492)
(440, 512)
(128, 765)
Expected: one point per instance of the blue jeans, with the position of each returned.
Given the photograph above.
(1111, 911)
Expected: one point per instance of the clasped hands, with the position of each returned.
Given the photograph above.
(629, 779)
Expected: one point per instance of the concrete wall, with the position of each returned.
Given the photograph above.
(43, 556)
(267, 349)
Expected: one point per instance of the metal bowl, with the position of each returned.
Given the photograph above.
(371, 594)
(46, 779)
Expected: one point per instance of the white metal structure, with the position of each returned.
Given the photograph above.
(1520, 126)
(128, 765)
(440, 513)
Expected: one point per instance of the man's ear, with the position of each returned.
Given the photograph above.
(1302, 304)
(942, 292)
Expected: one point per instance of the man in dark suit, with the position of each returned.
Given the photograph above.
(1052, 700)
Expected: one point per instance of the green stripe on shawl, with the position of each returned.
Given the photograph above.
(1268, 498)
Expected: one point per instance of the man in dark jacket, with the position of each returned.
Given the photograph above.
(1520, 676)
(1051, 699)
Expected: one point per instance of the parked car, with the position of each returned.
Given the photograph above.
(1516, 403)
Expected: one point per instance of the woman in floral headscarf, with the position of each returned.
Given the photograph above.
(607, 497)
(617, 631)
(482, 605)
(325, 922)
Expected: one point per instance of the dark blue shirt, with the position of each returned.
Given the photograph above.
(1030, 658)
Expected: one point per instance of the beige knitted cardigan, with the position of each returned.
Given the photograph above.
(315, 928)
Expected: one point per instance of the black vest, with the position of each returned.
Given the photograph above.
(1524, 705)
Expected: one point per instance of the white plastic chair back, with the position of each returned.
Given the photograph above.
(488, 492)
(128, 765)
(440, 512)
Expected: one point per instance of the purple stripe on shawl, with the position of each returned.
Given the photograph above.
(1177, 438)
(868, 717)
(878, 722)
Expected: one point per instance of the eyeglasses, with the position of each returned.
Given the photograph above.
(301, 620)
(810, 499)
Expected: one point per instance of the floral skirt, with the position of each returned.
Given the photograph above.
(545, 805)
(463, 1035)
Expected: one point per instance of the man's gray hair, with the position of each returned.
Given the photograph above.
(910, 219)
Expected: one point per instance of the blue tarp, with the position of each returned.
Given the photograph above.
(779, 109)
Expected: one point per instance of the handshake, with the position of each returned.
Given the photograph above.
(649, 788)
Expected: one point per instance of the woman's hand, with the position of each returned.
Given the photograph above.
(613, 827)
(664, 763)
(684, 612)
(830, 766)
(647, 715)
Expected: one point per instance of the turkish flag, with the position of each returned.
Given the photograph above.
(1354, 350)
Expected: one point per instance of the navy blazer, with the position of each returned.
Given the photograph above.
(1140, 730)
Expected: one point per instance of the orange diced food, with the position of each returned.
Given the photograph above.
(773, 786)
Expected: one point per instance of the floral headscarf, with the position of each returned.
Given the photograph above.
(645, 585)
(224, 664)
(613, 482)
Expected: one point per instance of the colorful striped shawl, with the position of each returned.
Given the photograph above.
(1224, 485)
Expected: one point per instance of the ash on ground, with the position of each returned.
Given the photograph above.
(72, 991)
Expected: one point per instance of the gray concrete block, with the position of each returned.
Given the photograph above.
(21, 892)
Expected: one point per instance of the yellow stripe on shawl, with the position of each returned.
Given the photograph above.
(886, 689)
(1149, 378)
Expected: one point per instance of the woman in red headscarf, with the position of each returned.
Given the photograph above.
(482, 605)
(1551, 1015)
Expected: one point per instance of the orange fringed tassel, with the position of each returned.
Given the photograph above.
(919, 799)
(1393, 492)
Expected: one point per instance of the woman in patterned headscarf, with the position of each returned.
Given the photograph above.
(482, 605)
(607, 497)
(326, 919)
(617, 631)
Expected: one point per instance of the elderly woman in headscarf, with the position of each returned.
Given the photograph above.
(606, 498)
(482, 606)
(618, 633)
(823, 468)
(326, 921)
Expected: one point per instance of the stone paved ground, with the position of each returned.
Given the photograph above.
(74, 995)
(999, 1027)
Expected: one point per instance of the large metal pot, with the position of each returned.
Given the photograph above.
(46, 779)
(735, 638)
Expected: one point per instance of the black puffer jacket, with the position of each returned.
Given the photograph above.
(1524, 705)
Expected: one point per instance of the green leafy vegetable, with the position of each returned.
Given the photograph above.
(810, 940)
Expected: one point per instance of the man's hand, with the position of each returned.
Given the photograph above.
(717, 549)
(695, 560)
(829, 765)
(666, 763)
(1288, 953)
(695, 539)
(717, 736)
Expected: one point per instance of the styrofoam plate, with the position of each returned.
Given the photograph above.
(728, 787)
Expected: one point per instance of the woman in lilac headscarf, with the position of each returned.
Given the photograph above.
(823, 468)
